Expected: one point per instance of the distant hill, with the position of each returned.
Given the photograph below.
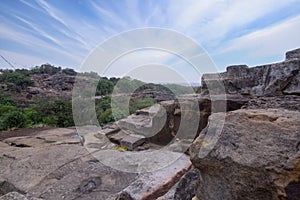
(43, 95)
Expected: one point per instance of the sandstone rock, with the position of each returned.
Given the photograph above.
(255, 157)
(152, 185)
(293, 54)
(272, 79)
(185, 189)
(294, 86)
(13, 196)
(289, 102)
(34, 90)
(57, 170)
(132, 141)
(151, 123)
(45, 138)
(117, 138)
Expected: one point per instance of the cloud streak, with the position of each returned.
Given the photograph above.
(67, 31)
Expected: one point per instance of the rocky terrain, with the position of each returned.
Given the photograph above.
(236, 140)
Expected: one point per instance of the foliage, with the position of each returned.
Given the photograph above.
(5, 99)
(15, 80)
(59, 112)
(136, 104)
(69, 71)
(127, 85)
(114, 80)
(45, 69)
(56, 113)
(11, 116)
(104, 109)
(89, 74)
(104, 87)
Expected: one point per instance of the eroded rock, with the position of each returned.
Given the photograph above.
(154, 184)
(256, 156)
(273, 79)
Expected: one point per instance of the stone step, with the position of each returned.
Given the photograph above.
(132, 141)
(143, 124)
(109, 130)
(153, 110)
(117, 137)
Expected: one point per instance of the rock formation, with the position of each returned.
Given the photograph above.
(273, 79)
(257, 153)
(253, 154)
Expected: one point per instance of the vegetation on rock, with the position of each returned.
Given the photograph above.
(42, 95)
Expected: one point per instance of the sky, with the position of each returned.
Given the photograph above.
(65, 32)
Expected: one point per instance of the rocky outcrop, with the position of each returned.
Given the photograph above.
(293, 54)
(273, 79)
(256, 156)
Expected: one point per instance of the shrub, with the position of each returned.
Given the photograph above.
(11, 117)
(69, 71)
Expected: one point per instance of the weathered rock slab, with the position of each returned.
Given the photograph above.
(13, 196)
(132, 141)
(154, 184)
(56, 170)
(256, 156)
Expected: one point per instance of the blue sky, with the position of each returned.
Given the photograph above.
(65, 32)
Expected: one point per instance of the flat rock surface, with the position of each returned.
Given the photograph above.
(46, 138)
(50, 166)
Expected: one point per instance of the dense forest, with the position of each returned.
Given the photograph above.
(57, 111)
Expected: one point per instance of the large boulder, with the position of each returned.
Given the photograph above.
(256, 156)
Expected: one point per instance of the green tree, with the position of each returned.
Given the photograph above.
(56, 113)
(11, 117)
(46, 69)
(69, 71)
(104, 87)
(15, 80)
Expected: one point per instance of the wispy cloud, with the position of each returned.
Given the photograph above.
(39, 31)
(11, 34)
(67, 31)
(269, 41)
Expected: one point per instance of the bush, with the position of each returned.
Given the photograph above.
(5, 99)
(136, 104)
(69, 71)
(45, 69)
(56, 113)
(104, 87)
(11, 117)
(15, 80)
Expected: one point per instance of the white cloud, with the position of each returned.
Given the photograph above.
(270, 41)
(33, 43)
(67, 21)
(38, 30)
(211, 21)
(109, 16)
